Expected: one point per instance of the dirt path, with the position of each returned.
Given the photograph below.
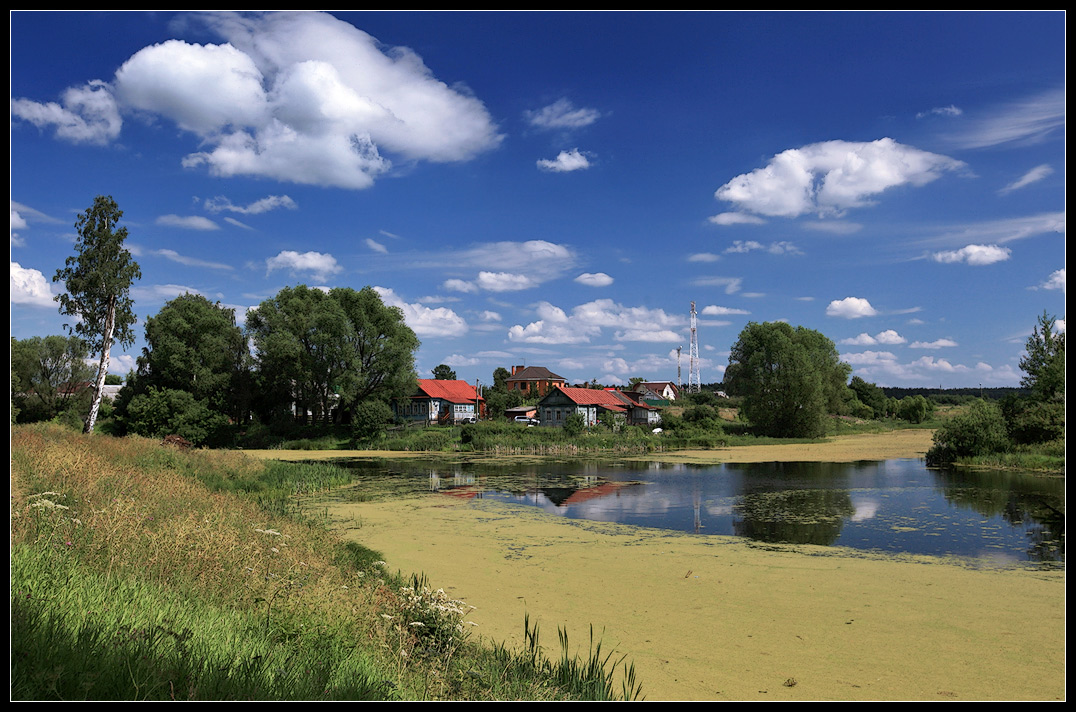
(709, 617)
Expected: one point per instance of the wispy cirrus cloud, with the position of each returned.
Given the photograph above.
(562, 114)
(1026, 121)
(1033, 176)
(188, 222)
(264, 205)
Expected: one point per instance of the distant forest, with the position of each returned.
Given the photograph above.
(941, 396)
(954, 395)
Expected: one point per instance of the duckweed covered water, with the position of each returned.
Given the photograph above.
(896, 506)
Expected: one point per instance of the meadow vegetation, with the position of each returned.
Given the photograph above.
(139, 571)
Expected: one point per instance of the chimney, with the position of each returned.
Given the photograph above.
(517, 369)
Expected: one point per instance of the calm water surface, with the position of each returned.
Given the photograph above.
(896, 506)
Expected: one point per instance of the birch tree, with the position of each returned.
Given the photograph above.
(98, 280)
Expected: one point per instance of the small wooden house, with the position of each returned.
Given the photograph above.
(441, 402)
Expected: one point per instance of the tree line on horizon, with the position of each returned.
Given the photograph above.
(339, 356)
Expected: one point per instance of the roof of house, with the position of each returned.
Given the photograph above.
(534, 373)
(657, 386)
(451, 391)
(610, 399)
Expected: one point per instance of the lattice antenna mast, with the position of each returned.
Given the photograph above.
(694, 380)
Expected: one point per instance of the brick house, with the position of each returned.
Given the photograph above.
(533, 380)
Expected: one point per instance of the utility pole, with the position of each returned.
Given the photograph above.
(679, 382)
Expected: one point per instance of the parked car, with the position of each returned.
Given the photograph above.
(525, 419)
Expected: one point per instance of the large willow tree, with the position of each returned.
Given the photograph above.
(789, 378)
(98, 279)
(323, 353)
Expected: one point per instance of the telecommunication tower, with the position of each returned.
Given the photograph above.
(694, 380)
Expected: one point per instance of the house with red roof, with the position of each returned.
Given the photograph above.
(563, 401)
(441, 402)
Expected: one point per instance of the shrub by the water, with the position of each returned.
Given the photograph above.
(980, 430)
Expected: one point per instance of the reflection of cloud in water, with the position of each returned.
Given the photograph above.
(865, 509)
(719, 510)
(611, 508)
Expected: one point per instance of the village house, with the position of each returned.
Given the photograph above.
(563, 401)
(533, 380)
(441, 402)
(661, 390)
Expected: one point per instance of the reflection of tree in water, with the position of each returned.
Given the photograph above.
(793, 516)
(1035, 504)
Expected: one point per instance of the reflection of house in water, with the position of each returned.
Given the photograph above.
(597, 492)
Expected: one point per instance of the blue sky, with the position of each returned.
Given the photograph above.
(555, 189)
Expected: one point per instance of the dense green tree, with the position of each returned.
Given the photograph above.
(381, 345)
(869, 395)
(500, 378)
(789, 378)
(1044, 363)
(194, 345)
(48, 376)
(97, 280)
(316, 350)
(300, 340)
(915, 409)
(441, 372)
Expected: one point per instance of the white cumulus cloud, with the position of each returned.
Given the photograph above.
(298, 97)
(565, 162)
(424, 321)
(86, 114)
(830, 177)
(29, 287)
(976, 255)
(850, 308)
(594, 279)
(318, 265)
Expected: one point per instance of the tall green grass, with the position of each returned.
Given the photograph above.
(140, 572)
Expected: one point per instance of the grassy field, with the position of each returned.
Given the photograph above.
(141, 572)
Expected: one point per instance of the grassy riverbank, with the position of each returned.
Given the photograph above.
(143, 572)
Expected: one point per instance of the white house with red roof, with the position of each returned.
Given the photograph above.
(441, 402)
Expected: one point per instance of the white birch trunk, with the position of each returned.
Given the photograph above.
(102, 367)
